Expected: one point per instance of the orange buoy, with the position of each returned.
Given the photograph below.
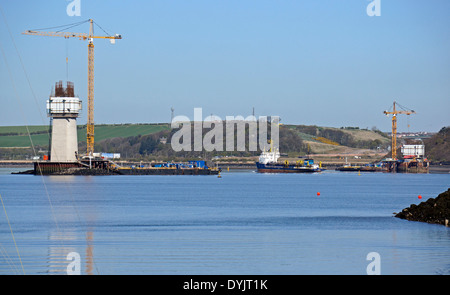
(420, 197)
(318, 193)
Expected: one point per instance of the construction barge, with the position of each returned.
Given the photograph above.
(390, 165)
(413, 160)
(357, 168)
(407, 166)
(107, 167)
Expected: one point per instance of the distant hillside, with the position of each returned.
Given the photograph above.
(15, 143)
(437, 147)
(157, 145)
(295, 140)
(17, 136)
(346, 136)
(145, 141)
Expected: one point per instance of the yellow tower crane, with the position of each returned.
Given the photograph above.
(90, 37)
(394, 114)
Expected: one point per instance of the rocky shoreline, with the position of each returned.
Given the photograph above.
(434, 210)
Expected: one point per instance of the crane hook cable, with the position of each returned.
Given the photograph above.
(68, 26)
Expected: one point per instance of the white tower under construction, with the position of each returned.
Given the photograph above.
(63, 108)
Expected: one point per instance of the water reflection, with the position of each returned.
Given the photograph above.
(89, 252)
(73, 232)
(246, 223)
(60, 245)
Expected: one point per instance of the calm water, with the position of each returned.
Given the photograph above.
(242, 223)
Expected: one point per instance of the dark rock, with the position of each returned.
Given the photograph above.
(434, 210)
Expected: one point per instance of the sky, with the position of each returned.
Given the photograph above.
(316, 62)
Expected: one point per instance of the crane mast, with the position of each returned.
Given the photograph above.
(90, 37)
(90, 118)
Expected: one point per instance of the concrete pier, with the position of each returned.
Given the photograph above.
(63, 108)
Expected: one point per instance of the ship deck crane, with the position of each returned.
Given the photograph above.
(90, 37)
(394, 114)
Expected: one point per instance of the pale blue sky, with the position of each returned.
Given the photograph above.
(317, 62)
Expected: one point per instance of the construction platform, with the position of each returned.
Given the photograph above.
(391, 165)
(407, 166)
(106, 167)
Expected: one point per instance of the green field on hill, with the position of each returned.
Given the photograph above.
(18, 136)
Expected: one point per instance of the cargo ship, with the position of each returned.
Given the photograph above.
(268, 163)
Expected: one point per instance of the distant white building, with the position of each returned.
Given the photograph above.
(413, 150)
